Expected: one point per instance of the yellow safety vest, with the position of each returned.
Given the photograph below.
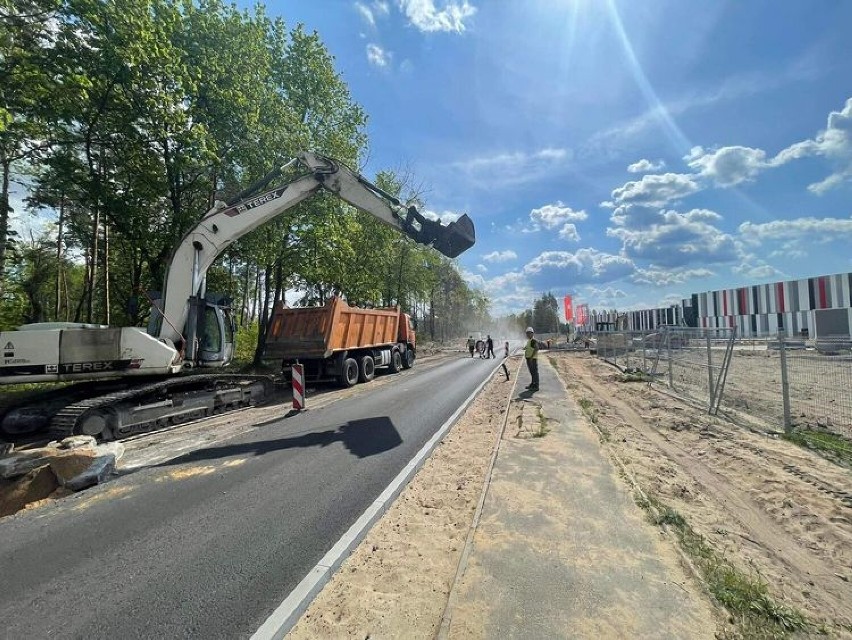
(531, 350)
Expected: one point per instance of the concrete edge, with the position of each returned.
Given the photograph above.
(286, 614)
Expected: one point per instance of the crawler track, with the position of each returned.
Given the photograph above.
(120, 411)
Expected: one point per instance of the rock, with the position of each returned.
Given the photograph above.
(115, 448)
(75, 442)
(36, 484)
(23, 462)
(81, 468)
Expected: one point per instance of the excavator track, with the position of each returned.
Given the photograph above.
(122, 412)
(158, 405)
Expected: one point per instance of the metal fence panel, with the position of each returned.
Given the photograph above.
(788, 383)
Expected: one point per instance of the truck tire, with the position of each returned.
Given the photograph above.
(366, 369)
(349, 373)
(396, 361)
(408, 360)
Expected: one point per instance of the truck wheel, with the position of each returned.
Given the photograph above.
(396, 361)
(349, 373)
(367, 370)
(408, 360)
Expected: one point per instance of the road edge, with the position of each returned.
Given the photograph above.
(286, 614)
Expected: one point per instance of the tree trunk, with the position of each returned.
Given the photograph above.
(264, 317)
(106, 315)
(93, 268)
(4, 219)
(245, 306)
(255, 299)
(59, 266)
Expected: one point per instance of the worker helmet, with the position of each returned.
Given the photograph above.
(530, 330)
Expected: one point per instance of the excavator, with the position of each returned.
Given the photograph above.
(126, 378)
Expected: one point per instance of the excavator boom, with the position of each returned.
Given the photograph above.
(226, 223)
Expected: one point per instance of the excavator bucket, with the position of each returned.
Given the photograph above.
(456, 238)
(452, 240)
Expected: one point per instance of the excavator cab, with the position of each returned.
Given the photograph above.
(216, 333)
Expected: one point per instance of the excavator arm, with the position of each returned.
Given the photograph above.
(225, 223)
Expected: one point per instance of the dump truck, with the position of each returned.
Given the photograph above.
(336, 342)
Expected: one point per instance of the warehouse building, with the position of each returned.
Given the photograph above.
(809, 306)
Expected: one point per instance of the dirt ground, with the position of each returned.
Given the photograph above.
(777, 511)
(396, 583)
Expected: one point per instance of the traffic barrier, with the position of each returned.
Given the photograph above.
(298, 375)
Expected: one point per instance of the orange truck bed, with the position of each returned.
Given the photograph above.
(317, 332)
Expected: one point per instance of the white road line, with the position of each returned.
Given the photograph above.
(288, 612)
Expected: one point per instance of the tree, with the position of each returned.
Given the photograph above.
(25, 46)
(545, 314)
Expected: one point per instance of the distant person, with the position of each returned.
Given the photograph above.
(471, 345)
(531, 355)
(489, 345)
(480, 348)
(505, 357)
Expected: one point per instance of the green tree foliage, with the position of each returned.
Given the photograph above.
(26, 42)
(128, 120)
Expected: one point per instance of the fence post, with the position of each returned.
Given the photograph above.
(671, 360)
(710, 371)
(785, 387)
(644, 364)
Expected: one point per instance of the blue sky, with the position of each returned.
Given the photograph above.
(629, 153)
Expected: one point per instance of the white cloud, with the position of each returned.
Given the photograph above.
(728, 166)
(381, 7)
(569, 232)
(500, 256)
(756, 269)
(377, 56)
(505, 170)
(563, 268)
(644, 166)
(655, 189)
(834, 142)
(815, 229)
(832, 181)
(482, 268)
(445, 217)
(666, 277)
(516, 160)
(365, 13)
(552, 215)
(607, 292)
(424, 15)
(678, 239)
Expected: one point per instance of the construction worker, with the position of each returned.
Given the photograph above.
(531, 355)
(489, 347)
(471, 345)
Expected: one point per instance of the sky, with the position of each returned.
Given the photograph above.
(626, 153)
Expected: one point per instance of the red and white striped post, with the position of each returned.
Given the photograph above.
(298, 376)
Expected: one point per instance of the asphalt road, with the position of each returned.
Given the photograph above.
(207, 545)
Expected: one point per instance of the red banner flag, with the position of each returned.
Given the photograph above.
(569, 310)
(582, 314)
